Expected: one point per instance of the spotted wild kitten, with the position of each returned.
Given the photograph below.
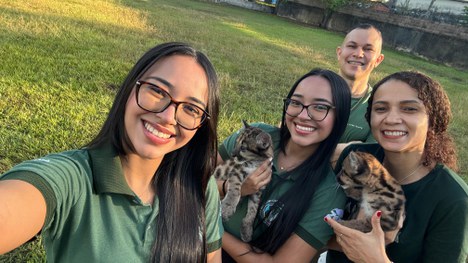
(364, 179)
(253, 147)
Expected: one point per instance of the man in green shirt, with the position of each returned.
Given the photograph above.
(358, 55)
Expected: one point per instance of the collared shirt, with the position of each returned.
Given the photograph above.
(357, 128)
(93, 215)
(311, 228)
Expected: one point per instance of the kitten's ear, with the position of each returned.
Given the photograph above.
(246, 125)
(353, 162)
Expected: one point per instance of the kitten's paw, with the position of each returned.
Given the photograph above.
(227, 212)
(246, 234)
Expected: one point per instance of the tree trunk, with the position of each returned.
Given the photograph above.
(428, 12)
(326, 18)
(431, 4)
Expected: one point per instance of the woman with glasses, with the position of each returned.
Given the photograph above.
(141, 189)
(409, 114)
(300, 184)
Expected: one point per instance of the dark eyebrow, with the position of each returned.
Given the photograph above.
(315, 99)
(401, 102)
(170, 86)
(379, 102)
(410, 101)
(323, 100)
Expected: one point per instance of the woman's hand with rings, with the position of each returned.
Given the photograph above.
(258, 179)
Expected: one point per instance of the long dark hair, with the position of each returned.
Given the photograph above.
(439, 146)
(313, 170)
(181, 179)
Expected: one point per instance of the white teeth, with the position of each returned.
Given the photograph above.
(156, 132)
(355, 63)
(395, 133)
(303, 128)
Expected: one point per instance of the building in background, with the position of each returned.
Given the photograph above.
(449, 6)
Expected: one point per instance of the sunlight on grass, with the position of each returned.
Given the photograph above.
(94, 11)
(298, 50)
(62, 61)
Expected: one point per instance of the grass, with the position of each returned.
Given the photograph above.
(61, 61)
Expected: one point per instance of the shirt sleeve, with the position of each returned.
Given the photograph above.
(312, 228)
(214, 224)
(59, 178)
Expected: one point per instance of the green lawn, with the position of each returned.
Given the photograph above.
(61, 61)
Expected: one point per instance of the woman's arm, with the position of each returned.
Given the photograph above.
(214, 257)
(22, 213)
(252, 183)
(293, 250)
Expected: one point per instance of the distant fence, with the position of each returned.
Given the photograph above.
(440, 42)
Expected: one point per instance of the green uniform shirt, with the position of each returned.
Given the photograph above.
(93, 215)
(358, 128)
(436, 224)
(312, 228)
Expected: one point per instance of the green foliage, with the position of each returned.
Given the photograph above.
(61, 61)
(334, 5)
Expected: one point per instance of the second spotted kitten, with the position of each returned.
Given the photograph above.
(364, 179)
(253, 147)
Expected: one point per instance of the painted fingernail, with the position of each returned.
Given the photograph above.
(379, 213)
(325, 219)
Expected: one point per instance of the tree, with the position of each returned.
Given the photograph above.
(331, 6)
(430, 5)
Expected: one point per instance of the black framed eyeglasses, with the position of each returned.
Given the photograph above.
(316, 111)
(152, 98)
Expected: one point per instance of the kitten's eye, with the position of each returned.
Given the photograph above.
(243, 148)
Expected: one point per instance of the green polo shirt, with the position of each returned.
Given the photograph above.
(358, 128)
(93, 215)
(311, 228)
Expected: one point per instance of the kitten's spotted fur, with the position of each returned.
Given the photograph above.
(253, 147)
(364, 179)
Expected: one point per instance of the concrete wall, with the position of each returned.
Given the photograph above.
(248, 5)
(443, 43)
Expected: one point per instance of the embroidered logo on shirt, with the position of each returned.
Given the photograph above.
(269, 211)
(355, 126)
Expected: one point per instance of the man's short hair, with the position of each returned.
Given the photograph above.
(365, 26)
